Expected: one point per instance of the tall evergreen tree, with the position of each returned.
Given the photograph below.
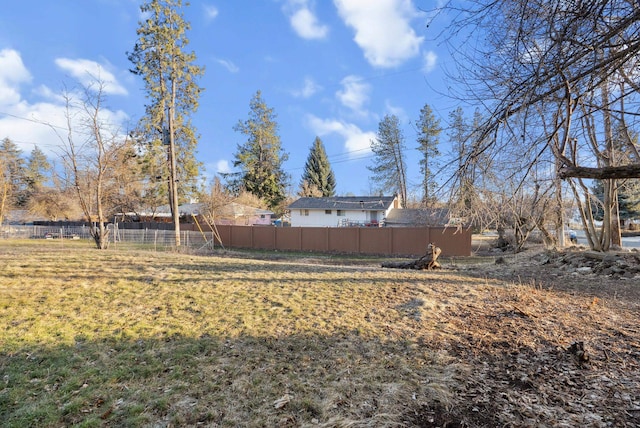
(459, 139)
(13, 171)
(428, 140)
(318, 172)
(389, 168)
(37, 171)
(261, 156)
(629, 199)
(626, 148)
(160, 56)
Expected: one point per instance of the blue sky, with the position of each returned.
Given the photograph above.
(329, 68)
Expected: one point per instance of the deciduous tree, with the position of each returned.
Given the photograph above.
(97, 157)
(557, 62)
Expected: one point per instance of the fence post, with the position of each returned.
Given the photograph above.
(326, 239)
(275, 237)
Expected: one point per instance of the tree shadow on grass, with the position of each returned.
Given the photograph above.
(297, 380)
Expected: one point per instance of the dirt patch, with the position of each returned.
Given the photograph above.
(562, 350)
(612, 275)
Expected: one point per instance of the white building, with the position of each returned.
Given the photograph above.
(342, 211)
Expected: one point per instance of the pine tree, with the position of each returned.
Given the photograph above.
(459, 138)
(629, 199)
(37, 170)
(170, 75)
(428, 133)
(389, 169)
(261, 156)
(318, 172)
(628, 191)
(13, 172)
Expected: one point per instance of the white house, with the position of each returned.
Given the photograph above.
(340, 211)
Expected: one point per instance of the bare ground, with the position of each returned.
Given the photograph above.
(562, 348)
(544, 338)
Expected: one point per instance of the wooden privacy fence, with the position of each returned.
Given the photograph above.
(401, 241)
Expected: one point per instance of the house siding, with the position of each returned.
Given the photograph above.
(318, 218)
(323, 212)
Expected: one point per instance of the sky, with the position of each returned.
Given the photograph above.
(328, 68)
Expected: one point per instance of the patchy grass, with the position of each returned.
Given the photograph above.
(94, 338)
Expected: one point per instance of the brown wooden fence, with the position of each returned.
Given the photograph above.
(400, 241)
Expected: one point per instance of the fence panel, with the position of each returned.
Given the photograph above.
(406, 241)
(344, 239)
(313, 239)
(374, 240)
(264, 237)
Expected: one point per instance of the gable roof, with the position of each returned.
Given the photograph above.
(367, 203)
(235, 210)
(419, 216)
(232, 209)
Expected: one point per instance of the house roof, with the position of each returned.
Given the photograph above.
(367, 203)
(412, 217)
(235, 210)
(232, 209)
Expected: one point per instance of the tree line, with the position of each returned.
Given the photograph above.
(553, 132)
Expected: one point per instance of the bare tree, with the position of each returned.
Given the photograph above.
(558, 62)
(95, 156)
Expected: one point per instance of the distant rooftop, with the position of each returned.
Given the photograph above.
(367, 203)
(421, 216)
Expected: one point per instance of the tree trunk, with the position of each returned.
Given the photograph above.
(603, 173)
(426, 262)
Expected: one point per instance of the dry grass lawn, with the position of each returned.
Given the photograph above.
(108, 338)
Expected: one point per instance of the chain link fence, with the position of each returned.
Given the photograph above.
(147, 239)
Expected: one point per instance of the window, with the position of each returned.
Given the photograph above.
(304, 213)
(340, 213)
(328, 212)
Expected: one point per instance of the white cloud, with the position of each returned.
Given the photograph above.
(230, 66)
(210, 11)
(12, 74)
(309, 88)
(356, 141)
(223, 167)
(429, 60)
(354, 93)
(34, 124)
(306, 25)
(395, 110)
(303, 21)
(40, 122)
(382, 29)
(88, 72)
